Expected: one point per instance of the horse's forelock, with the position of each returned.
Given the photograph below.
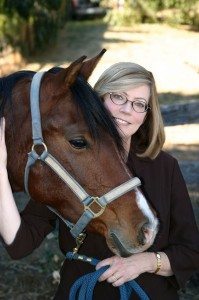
(95, 114)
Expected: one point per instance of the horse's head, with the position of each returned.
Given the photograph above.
(81, 135)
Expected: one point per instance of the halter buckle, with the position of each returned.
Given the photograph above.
(95, 207)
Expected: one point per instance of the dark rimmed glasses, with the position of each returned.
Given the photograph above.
(138, 105)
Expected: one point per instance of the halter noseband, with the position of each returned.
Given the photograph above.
(89, 202)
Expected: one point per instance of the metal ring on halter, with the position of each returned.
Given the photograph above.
(42, 144)
(95, 205)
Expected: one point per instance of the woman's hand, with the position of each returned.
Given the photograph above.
(9, 216)
(122, 269)
(3, 151)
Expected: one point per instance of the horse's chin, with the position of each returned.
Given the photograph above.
(117, 246)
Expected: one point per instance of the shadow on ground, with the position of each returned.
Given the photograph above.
(75, 39)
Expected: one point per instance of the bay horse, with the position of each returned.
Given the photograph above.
(80, 133)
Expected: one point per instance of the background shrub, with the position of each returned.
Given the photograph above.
(31, 25)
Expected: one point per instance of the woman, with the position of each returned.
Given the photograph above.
(129, 93)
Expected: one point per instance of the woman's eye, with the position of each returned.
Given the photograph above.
(139, 104)
(118, 96)
(78, 143)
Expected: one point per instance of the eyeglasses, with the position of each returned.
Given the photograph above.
(137, 105)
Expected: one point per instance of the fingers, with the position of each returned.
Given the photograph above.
(116, 277)
(121, 270)
(2, 128)
(105, 262)
(109, 274)
(118, 282)
(113, 276)
(3, 152)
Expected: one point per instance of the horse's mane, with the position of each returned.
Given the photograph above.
(7, 84)
(86, 98)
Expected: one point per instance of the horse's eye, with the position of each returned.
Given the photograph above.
(78, 143)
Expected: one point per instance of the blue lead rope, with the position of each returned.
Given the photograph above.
(83, 287)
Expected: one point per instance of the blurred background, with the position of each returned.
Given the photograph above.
(161, 35)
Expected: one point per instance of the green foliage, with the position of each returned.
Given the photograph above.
(51, 4)
(176, 11)
(138, 11)
(180, 11)
(146, 11)
(124, 17)
(2, 40)
(45, 35)
(167, 4)
(10, 28)
(23, 8)
(194, 16)
(30, 25)
(141, 11)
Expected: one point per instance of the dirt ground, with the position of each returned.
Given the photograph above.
(172, 55)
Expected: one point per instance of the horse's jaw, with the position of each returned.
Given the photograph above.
(122, 248)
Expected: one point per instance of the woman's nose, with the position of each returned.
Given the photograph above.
(126, 107)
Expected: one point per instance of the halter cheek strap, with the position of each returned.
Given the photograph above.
(93, 206)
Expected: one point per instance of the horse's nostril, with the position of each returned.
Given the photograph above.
(145, 228)
(142, 234)
(141, 237)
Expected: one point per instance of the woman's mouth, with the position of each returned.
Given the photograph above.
(120, 121)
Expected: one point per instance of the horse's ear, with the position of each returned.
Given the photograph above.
(89, 65)
(68, 75)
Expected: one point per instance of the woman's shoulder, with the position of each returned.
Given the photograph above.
(162, 157)
(164, 163)
(165, 157)
(163, 167)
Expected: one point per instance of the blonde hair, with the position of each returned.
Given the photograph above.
(150, 137)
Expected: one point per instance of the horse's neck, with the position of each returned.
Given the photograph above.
(17, 147)
(15, 173)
